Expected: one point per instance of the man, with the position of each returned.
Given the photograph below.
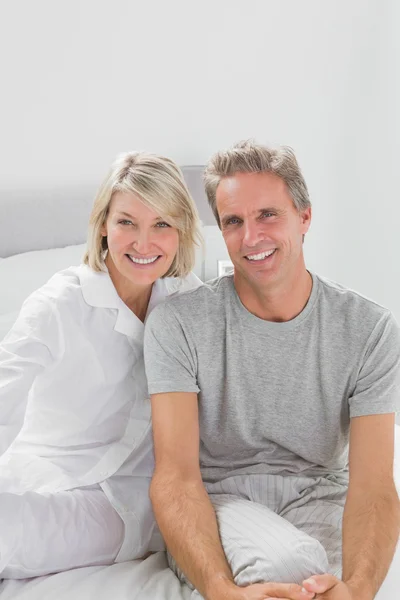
(273, 398)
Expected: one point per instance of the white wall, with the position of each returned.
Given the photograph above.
(85, 79)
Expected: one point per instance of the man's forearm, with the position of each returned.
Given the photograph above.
(188, 523)
(371, 524)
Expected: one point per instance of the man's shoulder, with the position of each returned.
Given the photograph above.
(194, 304)
(200, 297)
(351, 304)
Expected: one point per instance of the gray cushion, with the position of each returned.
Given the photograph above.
(194, 178)
(41, 219)
(54, 218)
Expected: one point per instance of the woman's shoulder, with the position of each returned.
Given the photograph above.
(62, 284)
(62, 290)
(38, 317)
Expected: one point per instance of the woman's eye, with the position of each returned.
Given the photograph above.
(162, 224)
(125, 222)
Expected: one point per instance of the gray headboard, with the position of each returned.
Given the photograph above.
(54, 218)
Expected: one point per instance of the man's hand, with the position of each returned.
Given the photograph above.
(263, 591)
(329, 587)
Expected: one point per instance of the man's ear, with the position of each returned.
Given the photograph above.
(306, 215)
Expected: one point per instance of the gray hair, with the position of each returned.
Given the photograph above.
(249, 157)
(160, 185)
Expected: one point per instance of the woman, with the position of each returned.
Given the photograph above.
(75, 433)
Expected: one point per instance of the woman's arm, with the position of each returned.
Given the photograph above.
(32, 345)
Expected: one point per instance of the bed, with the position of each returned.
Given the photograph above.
(39, 235)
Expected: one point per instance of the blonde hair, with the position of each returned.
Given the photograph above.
(160, 185)
(249, 157)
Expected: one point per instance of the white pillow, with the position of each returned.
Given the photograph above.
(22, 274)
(6, 322)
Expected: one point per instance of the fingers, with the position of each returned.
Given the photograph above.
(277, 598)
(284, 598)
(291, 597)
(288, 591)
(320, 583)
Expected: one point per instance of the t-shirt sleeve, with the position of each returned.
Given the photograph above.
(377, 389)
(170, 357)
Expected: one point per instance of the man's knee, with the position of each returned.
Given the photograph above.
(252, 565)
(261, 546)
(291, 563)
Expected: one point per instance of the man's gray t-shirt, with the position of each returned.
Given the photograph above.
(275, 397)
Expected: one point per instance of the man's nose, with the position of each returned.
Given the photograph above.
(251, 235)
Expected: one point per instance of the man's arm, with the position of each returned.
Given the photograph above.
(183, 509)
(181, 504)
(371, 520)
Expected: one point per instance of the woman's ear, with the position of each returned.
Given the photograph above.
(103, 229)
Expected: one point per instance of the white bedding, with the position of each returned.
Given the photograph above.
(150, 579)
(136, 580)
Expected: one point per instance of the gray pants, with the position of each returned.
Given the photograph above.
(276, 528)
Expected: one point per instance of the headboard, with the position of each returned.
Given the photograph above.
(54, 218)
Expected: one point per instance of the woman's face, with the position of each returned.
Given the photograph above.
(141, 245)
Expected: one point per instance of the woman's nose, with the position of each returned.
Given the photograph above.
(142, 242)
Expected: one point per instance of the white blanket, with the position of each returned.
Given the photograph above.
(136, 580)
(150, 579)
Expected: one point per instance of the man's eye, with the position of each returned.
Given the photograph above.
(233, 221)
(267, 214)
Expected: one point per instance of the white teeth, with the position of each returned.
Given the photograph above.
(142, 261)
(261, 256)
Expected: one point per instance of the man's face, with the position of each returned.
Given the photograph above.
(262, 229)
